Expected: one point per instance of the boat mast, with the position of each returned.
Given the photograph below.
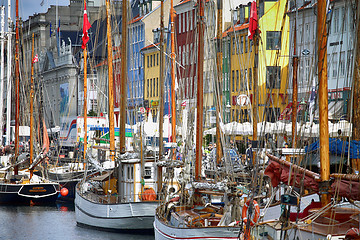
(111, 88)
(32, 107)
(8, 68)
(219, 79)
(295, 91)
(161, 95)
(2, 37)
(323, 100)
(17, 85)
(356, 93)
(123, 87)
(173, 57)
(199, 104)
(85, 95)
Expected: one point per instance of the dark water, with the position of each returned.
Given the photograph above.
(51, 222)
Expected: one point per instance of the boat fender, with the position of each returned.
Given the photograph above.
(256, 215)
(64, 192)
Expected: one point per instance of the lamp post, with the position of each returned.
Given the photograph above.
(227, 110)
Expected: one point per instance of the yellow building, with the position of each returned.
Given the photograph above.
(273, 59)
(241, 73)
(151, 77)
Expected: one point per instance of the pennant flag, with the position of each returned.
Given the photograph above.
(312, 102)
(253, 24)
(86, 27)
(35, 59)
(58, 29)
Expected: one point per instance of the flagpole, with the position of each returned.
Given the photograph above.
(32, 107)
(8, 97)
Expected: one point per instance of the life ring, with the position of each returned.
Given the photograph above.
(245, 210)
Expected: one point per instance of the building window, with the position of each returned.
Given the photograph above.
(334, 65)
(154, 87)
(94, 104)
(250, 78)
(273, 40)
(273, 80)
(151, 60)
(191, 20)
(237, 80)
(233, 46)
(246, 44)
(251, 44)
(342, 64)
(157, 86)
(148, 62)
(241, 44)
(180, 23)
(150, 87)
(336, 21)
(154, 61)
(147, 88)
(157, 59)
(233, 81)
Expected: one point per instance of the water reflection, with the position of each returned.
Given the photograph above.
(51, 222)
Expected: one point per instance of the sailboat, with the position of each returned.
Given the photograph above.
(336, 215)
(115, 199)
(22, 187)
(203, 209)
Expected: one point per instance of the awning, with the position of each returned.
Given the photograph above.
(336, 110)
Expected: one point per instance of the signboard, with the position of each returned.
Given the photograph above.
(243, 100)
(142, 110)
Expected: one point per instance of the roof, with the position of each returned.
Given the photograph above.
(150, 46)
(235, 29)
(136, 19)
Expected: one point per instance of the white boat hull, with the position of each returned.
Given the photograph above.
(166, 232)
(119, 217)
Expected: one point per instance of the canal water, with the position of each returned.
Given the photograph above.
(51, 222)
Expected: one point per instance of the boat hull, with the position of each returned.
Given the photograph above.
(166, 232)
(115, 217)
(26, 194)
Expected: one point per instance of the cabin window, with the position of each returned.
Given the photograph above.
(273, 80)
(147, 173)
(273, 40)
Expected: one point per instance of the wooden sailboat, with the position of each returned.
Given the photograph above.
(22, 187)
(188, 216)
(336, 215)
(115, 199)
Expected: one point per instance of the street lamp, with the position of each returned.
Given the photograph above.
(227, 110)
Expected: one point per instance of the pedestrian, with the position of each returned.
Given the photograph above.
(249, 155)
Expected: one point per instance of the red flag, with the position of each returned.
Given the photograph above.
(35, 59)
(86, 27)
(253, 24)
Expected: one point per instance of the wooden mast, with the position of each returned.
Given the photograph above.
(356, 93)
(110, 86)
(123, 84)
(17, 85)
(295, 91)
(199, 104)
(161, 95)
(173, 56)
(85, 95)
(323, 100)
(32, 107)
(219, 79)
